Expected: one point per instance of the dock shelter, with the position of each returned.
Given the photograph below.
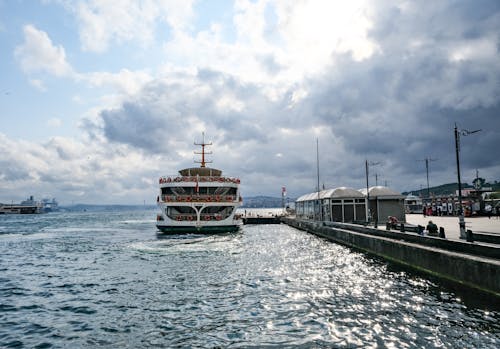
(385, 202)
(340, 205)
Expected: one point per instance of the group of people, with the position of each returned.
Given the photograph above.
(448, 210)
(438, 210)
(492, 211)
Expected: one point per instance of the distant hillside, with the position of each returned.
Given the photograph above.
(100, 208)
(248, 202)
(263, 202)
(450, 188)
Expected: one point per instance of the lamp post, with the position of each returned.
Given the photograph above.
(368, 188)
(461, 221)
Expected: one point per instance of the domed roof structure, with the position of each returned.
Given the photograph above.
(336, 193)
(382, 192)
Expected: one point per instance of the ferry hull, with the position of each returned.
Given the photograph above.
(210, 229)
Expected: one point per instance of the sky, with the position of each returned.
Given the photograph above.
(99, 98)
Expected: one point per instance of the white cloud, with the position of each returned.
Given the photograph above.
(314, 30)
(125, 81)
(38, 84)
(37, 53)
(72, 170)
(103, 22)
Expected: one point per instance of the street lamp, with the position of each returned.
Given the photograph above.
(461, 221)
(368, 188)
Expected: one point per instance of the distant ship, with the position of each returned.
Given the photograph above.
(199, 200)
(27, 206)
(50, 205)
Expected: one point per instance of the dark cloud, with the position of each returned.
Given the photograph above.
(396, 107)
(167, 112)
(10, 171)
(141, 126)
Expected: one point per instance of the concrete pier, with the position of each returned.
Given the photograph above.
(474, 265)
(484, 229)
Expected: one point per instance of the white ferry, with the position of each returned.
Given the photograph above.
(199, 200)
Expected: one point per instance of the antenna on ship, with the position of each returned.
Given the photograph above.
(203, 144)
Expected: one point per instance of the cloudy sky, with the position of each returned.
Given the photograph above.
(98, 98)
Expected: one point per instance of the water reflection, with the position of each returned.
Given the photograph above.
(115, 283)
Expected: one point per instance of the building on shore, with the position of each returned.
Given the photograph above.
(340, 204)
(349, 205)
(384, 203)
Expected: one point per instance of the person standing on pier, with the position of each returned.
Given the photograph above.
(488, 210)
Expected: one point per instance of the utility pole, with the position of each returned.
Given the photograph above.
(461, 221)
(317, 171)
(427, 173)
(368, 188)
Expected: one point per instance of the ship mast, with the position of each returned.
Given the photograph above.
(203, 144)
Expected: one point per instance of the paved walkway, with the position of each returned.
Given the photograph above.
(451, 227)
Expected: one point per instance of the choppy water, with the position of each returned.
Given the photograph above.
(105, 279)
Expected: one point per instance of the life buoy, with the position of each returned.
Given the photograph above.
(209, 198)
(190, 218)
(218, 218)
(189, 199)
(217, 198)
(179, 218)
(207, 217)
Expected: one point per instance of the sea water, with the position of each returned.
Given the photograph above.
(108, 280)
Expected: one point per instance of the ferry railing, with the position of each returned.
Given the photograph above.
(193, 217)
(199, 198)
(215, 179)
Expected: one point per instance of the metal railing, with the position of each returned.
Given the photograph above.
(215, 179)
(199, 198)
